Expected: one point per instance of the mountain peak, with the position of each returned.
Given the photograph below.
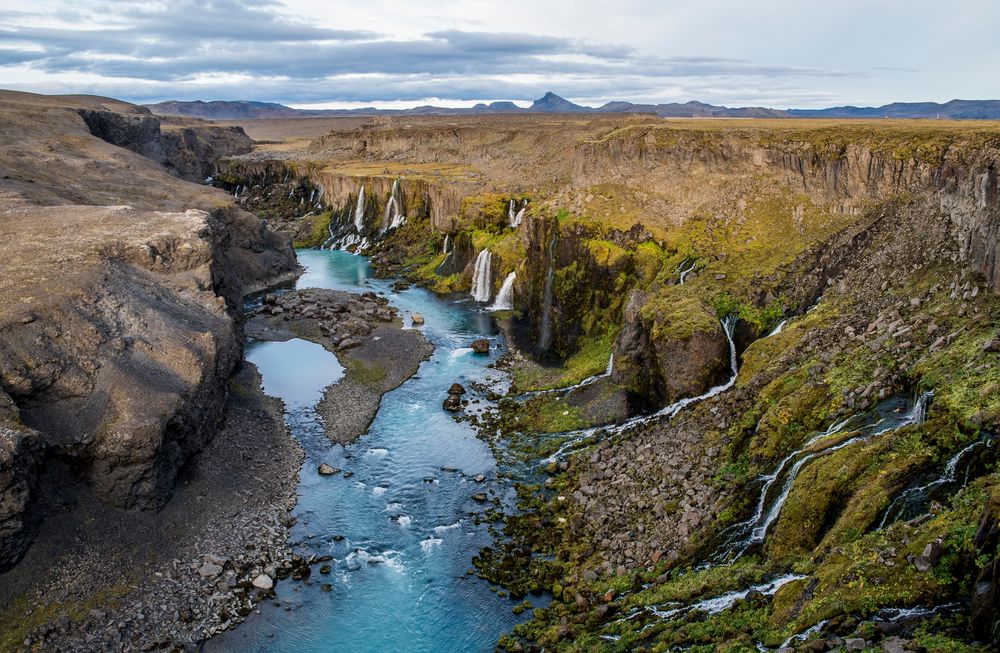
(552, 103)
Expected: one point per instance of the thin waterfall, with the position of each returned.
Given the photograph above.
(778, 329)
(515, 219)
(359, 212)
(545, 330)
(582, 436)
(505, 298)
(899, 506)
(684, 270)
(393, 218)
(481, 277)
(754, 530)
(611, 365)
(444, 250)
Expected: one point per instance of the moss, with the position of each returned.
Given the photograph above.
(319, 226)
(590, 358)
(17, 621)
(678, 315)
(370, 374)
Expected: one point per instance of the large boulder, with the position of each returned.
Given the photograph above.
(670, 346)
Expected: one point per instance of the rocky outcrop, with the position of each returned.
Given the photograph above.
(21, 451)
(118, 350)
(663, 355)
(190, 151)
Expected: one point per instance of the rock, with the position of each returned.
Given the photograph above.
(452, 403)
(854, 644)
(992, 345)
(326, 587)
(929, 557)
(456, 389)
(263, 582)
(479, 497)
(416, 319)
(348, 343)
(479, 478)
(481, 346)
(209, 570)
(325, 569)
(894, 645)
(327, 470)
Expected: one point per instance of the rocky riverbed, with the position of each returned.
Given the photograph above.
(367, 336)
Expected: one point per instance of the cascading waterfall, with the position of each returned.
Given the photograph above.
(505, 298)
(579, 437)
(684, 270)
(359, 212)
(444, 250)
(778, 329)
(570, 388)
(917, 495)
(481, 277)
(545, 330)
(515, 219)
(319, 198)
(393, 218)
(753, 531)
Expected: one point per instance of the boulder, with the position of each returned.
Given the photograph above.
(327, 470)
(456, 389)
(481, 346)
(452, 403)
(263, 582)
(209, 570)
(417, 319)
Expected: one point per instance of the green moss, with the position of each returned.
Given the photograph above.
(16, 621)
(319, 226)
(370, 374)
(590, 358)
(678, 315)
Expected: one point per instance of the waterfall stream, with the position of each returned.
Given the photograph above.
(505, 298)
(359, 212)
(583, 436)
(482, 281)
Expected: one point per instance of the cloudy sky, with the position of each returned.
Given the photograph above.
(396, 53)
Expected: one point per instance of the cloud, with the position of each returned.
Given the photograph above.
(235, 48)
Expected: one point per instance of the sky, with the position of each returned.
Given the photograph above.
(403, 53)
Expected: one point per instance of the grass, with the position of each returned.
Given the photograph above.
(590, 358)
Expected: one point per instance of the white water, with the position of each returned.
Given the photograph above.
(727, 600)
(515, 219)
(947, 477)
(359, 212)
(444, 250)
(481, 277)
(505, 298)
(578, 437)
(778, 329)
(756, 527)
(685, 270)
(393, 218)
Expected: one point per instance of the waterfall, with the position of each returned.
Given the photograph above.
(545, 330)
(359, 212)
(319, 197)
(393, 217)
(444, 250)
(754, 530)
(911, 496)
(728, 324)
(505, 298)
(778, 329)
(684, 270)
(515, 219)
(611, 365)
(236, 195)
(481, 277)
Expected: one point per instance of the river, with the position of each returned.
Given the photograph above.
(406, 516)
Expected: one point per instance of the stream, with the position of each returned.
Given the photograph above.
(401, 529)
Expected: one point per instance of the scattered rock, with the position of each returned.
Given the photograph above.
(479, 497)
(327, 470)
(456, 389)
(479, 478)
(209, 570)
(481, 346)
(263, 582)
(452, 403)
(417, 319)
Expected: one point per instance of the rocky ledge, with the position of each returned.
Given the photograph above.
(365, 333)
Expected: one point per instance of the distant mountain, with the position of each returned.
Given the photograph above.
(552, 103)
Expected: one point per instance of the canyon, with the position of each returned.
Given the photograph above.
(745, 392)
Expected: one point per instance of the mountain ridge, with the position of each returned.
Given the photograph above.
(552, 103)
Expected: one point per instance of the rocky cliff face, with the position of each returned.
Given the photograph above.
(120, 326)
(190, 151)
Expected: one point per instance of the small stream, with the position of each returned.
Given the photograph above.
(401, 529)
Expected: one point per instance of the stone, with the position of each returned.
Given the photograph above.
(263, 582)
(452, 403)
(326, 587)
(479, 478)
(327, 470)
(456, 389)
(854, 644)
(479, 497)
(209, 570)
(481, 346)
(417, 319)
